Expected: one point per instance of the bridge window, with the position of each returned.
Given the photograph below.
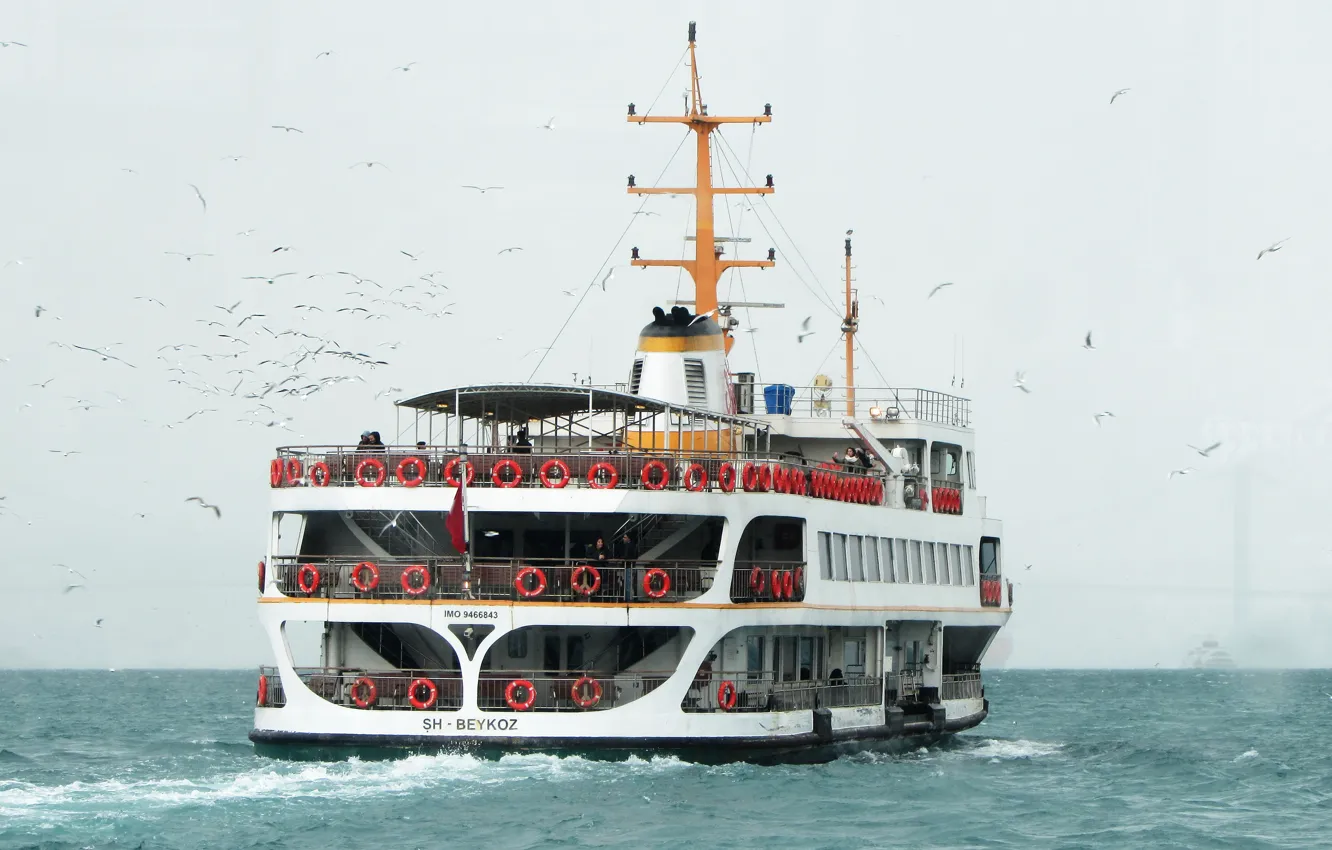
(839, 557)
(825, 555)
(968, 566)
(517, 644)
(854, 557)
(872, 559)
(917, 576)
(989, 556)
(971, 470)
(931, 575)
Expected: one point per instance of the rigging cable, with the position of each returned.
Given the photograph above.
(735, 231)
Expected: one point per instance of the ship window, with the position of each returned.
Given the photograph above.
(695, 385)
(839, 557)
(927, 563)
(968, 566)
(871, 559)
(971, 470)
(900, 564)
(825, 555)
(636, 377)
(853, 657)
(886, 559)
(854, 559)
(517, 644)
(940, 552)
(573, 652)
(955, 563)
(754, 655)
(989, 556)
(550, 653)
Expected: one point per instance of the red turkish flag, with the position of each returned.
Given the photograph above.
(454, 523)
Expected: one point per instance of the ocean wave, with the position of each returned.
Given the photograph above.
(1004, 749)
(9, 756)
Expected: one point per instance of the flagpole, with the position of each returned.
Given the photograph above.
(466, 524)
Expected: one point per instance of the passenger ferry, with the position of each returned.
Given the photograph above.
(674, 564)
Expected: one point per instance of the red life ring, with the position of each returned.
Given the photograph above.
(307, 579)
(554, 463)
(275, 472)
(775, 585)
(876, 495)
(816, 484)
(656, 583)
(431, 690)
(520, 582)
(295, 472)
(798, 583)
(765, 478)
(609, 469)
(529, 695)
(757, 581)
(363, 692)
(452, 466)
(726, 695)
(781, 479)
(586, 692)
(798, 482)
(261, 699)
(401, 472)
(924, 495)
(726, 477)
(788, 584)
(320, 474)
(411, 587)
(862, 490)
(262, 568)
(362, 584)
(581, 587)
(749, 478)
(647, 478)
(499, 481)
(381, 472)
(695, 478)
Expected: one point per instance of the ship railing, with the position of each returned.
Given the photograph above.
(374, 689)
(883, 404)
(961, 686)
(563, 690)
(508, 579)
(904, 686)
(991, 591)
(697, 471)
(761, 691)
(271, 693)
(767, 581)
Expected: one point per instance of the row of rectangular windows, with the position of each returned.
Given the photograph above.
(853, 557)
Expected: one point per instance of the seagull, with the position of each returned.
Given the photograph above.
(214, 508)
(105, 355)
(508, 250)
(280, 248)
(268, 280)
(228, 310)
(569, 292)
(1087, 343)
(937, 288)
(1273, 248)
(70, 587)
(249, 317)
(12, 44)
(1099, 416)
(200, 196)
(325, 53)
(412, 257)
(370, 164)
(1020, 382)
(43, 384)
(64, 453)
(1185, 471)
(246, 232)
(645, 212)
(71, 571)
(804, 326)
(406, 67)
(234, 157)
(39, 310)
(1118, 93)
(98, 624)
(288, 129)
(1207, 451)
(610, 273)
(482, 189)
(549, 125)
(148, 299)
(188, 257)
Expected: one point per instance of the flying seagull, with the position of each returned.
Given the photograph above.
(569, 292)
(610, 273)
(804, 326)
(406, 67)
(645, 212)
(325, 53)
(1185, 471)
(200, 196)
(188, 257)
(1099, 416)
(1087, 343)
(412, 257)
(1273, 248)
(12, 44)
(214, 508)
(1207, 451)
(482, 189)
(508, 250)
(148, 299)
(937, 288)
(280, 248)
(235, 157)
(268, 280)
(288, 129)
(370, 164)
(549, 125)
(98, 623)
(1020, 382)
(228, 310)
(1118, 93)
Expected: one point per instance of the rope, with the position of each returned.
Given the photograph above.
(669, 77)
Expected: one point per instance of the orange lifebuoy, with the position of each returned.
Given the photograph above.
(511, 695)
(780, 480)
(649, 481)
(365, 585)
(262, 569)
(554, 463)
(726, 695)
(656, 583)
(609, 469)
(295, 472)
(726, 477)
(775, 585)
(499, 480)
(924, 495)
(757, 581)
(275, 472)
(374, 463)
(797, 480)
(749, 478)
(586, 692)
(431, 693)
(816, 484)
(364, 692)
(415, 580)
(765, 478)
(527, 589)
(401, 472)
(452, 466)
(788, 584)
(581, 587)
(798, 583)
(261, 698)
(307, 579)
(320, 474)
(695, 478)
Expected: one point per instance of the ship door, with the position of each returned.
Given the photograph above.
(550, 653)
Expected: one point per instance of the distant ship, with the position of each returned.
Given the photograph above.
(1210, 656)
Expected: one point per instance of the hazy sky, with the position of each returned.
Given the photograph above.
(971, 143)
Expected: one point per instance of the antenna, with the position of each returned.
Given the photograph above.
(849, 326)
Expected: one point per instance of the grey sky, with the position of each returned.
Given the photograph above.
(972, 143)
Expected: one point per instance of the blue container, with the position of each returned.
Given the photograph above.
(777, 398)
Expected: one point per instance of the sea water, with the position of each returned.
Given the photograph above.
(159, 759)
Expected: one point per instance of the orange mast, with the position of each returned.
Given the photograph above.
(849, 326)
(707, 266)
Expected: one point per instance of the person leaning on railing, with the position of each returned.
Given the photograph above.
(627, 554)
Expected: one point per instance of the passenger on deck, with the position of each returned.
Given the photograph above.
(704, 675)
(420, 444)
(522, 444)
(598, 551)
(627, 554)
(857, 458)
(376, 444)
(364, 445)
(835, 678)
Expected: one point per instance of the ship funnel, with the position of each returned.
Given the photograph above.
(681, 359)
